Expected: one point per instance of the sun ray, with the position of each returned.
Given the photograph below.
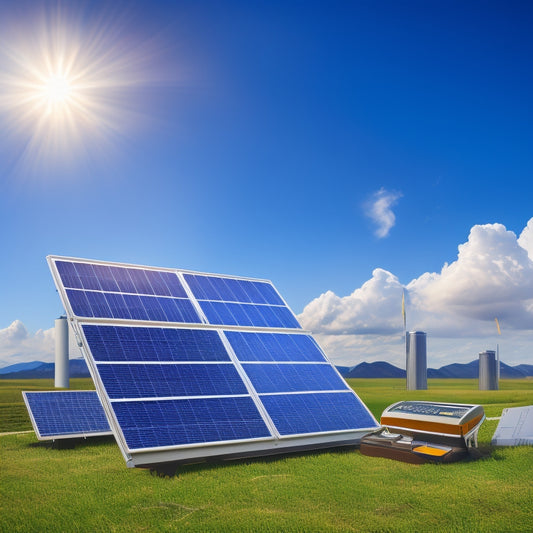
(65, 85)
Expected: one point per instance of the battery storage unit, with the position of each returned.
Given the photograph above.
(420, 432)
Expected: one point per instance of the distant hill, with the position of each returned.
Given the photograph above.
(19, 367)
(343, 370)
(39, 370)
(456, 370)
(527, 369)
(471, 371)
(381, 369)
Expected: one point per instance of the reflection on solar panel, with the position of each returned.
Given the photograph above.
(66, 414)
(190, 366)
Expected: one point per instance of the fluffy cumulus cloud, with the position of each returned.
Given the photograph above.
(491, 278)
(379, 210)
(367, 310)
(18, 345)
(526, 239)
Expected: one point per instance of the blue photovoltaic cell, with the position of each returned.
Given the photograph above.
(126, 343)
(293, 378)
(232, 290)
(63, 413)
(131, 307)
(315, 413)
(148, 424)
(261, 316)
(68, 274)
(255, 346)
(79, 303)
(109, 278)
(164, 380)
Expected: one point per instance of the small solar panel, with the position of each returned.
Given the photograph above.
(254, 315)
(515, 427)
(205, 287)
(170, 380)
(317, 413)
(252, 346)
(119, 292)
(191, 365)
(66, 414)
(164, 423)
(123, 343)
(286, 377)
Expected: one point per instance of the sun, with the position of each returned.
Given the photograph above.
(54, 90)
(67, 87)
(57, 91)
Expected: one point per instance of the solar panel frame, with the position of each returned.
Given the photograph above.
(82, 413)
(275, 442)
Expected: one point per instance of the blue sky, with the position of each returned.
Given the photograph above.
(256, 138)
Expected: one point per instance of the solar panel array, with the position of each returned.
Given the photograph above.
(66, 414)
(200, 364)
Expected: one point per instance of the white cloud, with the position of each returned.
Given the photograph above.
(379, 210)
(526, 239)
(492, 277)
(367, 310)
(17, 345)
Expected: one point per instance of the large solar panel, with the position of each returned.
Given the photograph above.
(191, 365)
(66, 414)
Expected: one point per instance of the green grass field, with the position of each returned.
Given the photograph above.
(89, 488)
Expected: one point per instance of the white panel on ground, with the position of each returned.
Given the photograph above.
(515, 427)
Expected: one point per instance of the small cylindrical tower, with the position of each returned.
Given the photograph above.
(488, 371)
(416, 360)
(61, 361)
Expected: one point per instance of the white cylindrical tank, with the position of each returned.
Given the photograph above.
(416, 360)
(488, 371)
(61, 361)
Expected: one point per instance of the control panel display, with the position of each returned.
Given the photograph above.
(433, 409)
(447, 419)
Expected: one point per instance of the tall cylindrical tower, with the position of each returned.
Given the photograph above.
(416, 360)
(61, 361)
(488, 371)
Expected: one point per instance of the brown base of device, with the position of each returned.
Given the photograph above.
(412, 449)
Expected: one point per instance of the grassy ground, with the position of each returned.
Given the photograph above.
(89, 488)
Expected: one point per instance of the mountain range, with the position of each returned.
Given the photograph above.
(380, 369)
(40, 370)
